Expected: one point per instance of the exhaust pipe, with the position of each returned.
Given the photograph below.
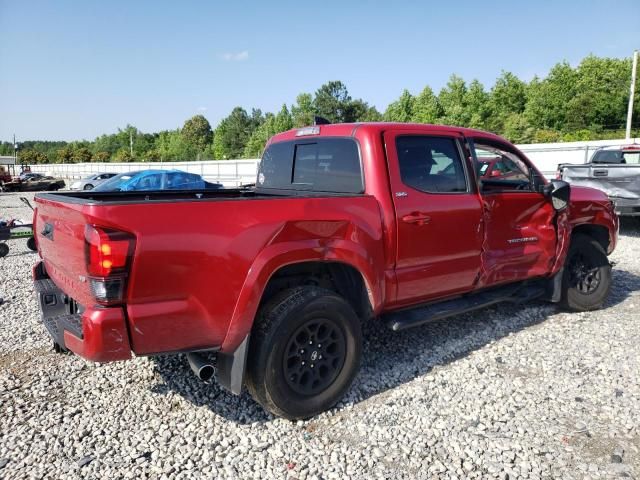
(202, 367)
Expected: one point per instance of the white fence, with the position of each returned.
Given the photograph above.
(546, 156)
(227, 172)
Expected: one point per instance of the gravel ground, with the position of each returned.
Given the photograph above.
(509, 392)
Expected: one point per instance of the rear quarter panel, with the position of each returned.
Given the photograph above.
(200, 267)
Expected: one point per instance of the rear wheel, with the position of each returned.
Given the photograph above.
(304, 353)
(31, 244)
(4, 249)
(587, 275)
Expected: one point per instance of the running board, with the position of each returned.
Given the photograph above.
(415, 316)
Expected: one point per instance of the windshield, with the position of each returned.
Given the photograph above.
(114, 184)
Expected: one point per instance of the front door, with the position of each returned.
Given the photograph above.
(520, 234)
(439, 232)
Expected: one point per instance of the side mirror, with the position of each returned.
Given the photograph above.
(559, 191)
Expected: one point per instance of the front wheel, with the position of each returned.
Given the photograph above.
(304, 353)
(587, 275)
(88, 186)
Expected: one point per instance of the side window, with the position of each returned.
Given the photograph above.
(631, 157)
(500, 170)
(150, 182)
(431, 164)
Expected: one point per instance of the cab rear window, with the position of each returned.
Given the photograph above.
(319, 165)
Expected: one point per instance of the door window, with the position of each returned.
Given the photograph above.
(500, 170)
(431, 164)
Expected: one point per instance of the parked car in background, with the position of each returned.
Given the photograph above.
(34, 182)
(87, 183)
(154, 180)
(615, 171)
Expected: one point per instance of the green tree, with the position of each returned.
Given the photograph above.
(602, 94)
(453, 99)
(476, 102)
(234, 132)
(371, 115)
(402, 109)
(81, 155)
(426, 108)
(509, 94)
(259, 137)
(32, 157)
(547, 99)
(124, 155)
(283, 120)
(517, 128)
(64, 154)
(303, 110)
(101, 157)
(171, 146)
(332, 101)
(197, 131)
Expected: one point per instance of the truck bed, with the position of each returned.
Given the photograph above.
(196, 250)
(621, 182)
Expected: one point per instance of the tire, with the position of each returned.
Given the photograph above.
(4, 250)
(88, 186)
(31, 244)
(587, 275)
(298, 388)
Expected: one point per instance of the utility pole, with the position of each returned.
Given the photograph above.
(131, 142)
(634, 69)
(15, 150)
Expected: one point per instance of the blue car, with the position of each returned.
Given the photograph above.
(154, 180)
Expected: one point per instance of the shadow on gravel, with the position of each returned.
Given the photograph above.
(630, 226)
(389, 359)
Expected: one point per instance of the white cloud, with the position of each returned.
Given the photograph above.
(202, 109)
(235, 57)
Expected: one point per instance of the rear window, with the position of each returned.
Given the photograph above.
(319, 164)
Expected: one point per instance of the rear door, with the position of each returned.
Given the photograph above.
(520, 234)
(439, 234)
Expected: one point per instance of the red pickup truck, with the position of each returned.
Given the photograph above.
(347, 223)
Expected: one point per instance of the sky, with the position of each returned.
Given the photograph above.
(76, 70)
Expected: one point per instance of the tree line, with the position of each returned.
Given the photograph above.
(587, 102)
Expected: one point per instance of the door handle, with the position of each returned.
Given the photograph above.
(418, 218)
(600, 173)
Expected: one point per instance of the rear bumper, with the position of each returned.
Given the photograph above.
(96, 333)
(627, 207)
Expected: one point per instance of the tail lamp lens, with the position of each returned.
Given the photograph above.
(108, 255)
(107, 251)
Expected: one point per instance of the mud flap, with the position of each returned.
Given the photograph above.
(231, 367)
(554, 287)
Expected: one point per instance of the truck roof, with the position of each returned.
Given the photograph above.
(350, 129)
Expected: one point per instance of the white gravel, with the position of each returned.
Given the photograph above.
(509, 392)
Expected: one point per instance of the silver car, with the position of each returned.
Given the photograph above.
(87, 183)
(615, 171)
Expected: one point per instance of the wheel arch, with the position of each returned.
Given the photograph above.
(600, 233)
(347, 263)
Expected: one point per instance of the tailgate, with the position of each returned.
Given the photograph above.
(59, 228)
(621, 181)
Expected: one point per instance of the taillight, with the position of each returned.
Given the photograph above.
(108, 257)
